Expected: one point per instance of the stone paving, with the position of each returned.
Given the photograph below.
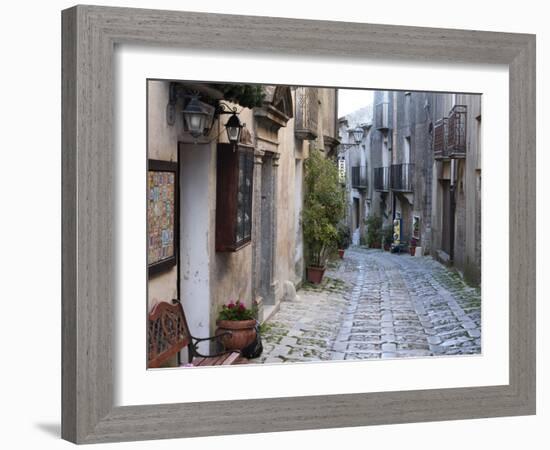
(375, 304)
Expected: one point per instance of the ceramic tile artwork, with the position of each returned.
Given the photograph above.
(160, 216)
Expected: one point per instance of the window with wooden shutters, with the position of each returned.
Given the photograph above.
(234, 197)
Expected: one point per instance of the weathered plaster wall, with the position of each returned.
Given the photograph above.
(230, 272)
(471, 188)
(286, 206)
(162, 144)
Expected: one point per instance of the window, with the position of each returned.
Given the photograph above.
(407, 150)
(407, 109)
(234, 197)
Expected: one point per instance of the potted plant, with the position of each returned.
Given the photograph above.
(374, 231)
(236, 326)
(344, 239)
(412, 246)
(324, 208)
(388, 237)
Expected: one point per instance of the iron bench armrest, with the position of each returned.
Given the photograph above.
(193, 345)
(211, 338)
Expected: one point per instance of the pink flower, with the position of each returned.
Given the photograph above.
(242, 307)
(231, 304)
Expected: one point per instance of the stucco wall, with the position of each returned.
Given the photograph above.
(230, 272)
(286, 205)
(162, 144)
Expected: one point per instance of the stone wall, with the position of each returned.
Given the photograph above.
(161, 145)
(412, 117)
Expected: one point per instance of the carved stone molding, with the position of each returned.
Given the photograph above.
(258, 156)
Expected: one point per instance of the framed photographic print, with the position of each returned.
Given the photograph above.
(315, 210)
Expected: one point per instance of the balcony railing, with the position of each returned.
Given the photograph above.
(307, 110)
(440, 139)
(402, 177)
(359, 177)
(456, 136)
(382, 116)
(382, 179)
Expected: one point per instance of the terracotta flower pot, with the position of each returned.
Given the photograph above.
(315, 274)
(341, 252)
(243, 333)
(387, 247)
(412, 250)
(375, 245)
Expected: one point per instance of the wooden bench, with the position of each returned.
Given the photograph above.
(168, 334)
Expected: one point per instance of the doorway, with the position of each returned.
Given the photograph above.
(447, 224)
(356, 213)
(267, 248)
(195, 191)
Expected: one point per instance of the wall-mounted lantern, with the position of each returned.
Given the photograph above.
(358, 134)
(233, 128)
(198, 116)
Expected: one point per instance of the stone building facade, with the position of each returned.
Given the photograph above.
(401, 163)
(422, 152)
(354, 159)
(278, 134)
(456, 185)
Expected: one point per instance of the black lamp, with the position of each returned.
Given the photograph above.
(233, 128)
(358, 134)
(196, 117)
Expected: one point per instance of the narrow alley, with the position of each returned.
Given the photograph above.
(377, 304)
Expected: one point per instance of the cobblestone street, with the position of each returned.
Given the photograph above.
(375, 304)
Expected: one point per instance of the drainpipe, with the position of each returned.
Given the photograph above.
(453, 208)
(394, 143)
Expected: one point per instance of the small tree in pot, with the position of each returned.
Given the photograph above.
(388, 237)
(344, 239)
(324, 208)
(374, 231)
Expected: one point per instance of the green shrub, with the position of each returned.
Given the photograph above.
(374, 230)
(344, 236)
(324, 207)
(246, 95)
(388, 234)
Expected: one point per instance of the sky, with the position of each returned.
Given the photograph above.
(350, 100)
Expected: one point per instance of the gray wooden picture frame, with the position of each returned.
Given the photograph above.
(90, 34)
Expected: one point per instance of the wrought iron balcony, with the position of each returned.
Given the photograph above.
(382, 116)
(440, 139)
(307, 110)
(382, 179)
(456, 136)
(359, 177)
(402, 177)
